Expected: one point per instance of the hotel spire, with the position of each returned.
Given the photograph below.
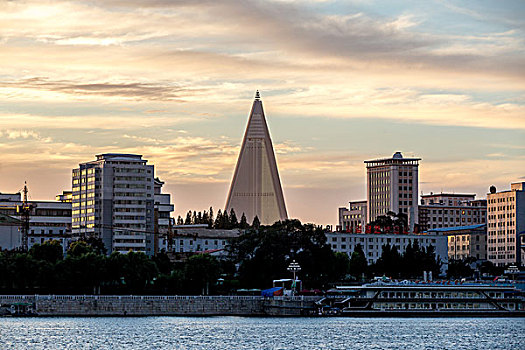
(256, 188)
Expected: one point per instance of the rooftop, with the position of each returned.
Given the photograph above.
(458, 228)
(397, 158)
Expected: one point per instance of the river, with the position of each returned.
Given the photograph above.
(261, 333)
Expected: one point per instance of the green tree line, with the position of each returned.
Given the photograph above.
(87, 270)
(223, 220)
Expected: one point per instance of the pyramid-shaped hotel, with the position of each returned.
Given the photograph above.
(256, 188)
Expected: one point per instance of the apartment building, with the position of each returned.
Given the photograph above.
(113, 198)
(506, 224)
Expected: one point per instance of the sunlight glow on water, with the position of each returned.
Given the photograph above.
(261, 333)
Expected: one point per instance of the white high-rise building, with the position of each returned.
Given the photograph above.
(113, 198)
(392, 185)
(506, 224)
(163, 221)
(256, 188)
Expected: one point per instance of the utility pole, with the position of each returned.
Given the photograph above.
(25, 211)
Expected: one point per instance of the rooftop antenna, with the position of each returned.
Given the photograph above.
(257, 95)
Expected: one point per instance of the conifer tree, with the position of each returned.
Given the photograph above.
(205, 218)
(188, 218)
(210, 218)
(225, 222)
(218, 220)
(233, 219)
(256, 223)
(243, 224)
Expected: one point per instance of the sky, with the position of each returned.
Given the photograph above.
(341, 82)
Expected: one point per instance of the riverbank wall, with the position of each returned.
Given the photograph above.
(132, 305)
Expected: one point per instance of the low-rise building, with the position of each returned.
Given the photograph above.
(450, 210)
(10, 235)
(372, 244)
(200, 239)
(465, 241)
(506, 224)
(48, 220)
(353, 218)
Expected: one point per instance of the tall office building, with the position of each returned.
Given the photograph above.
(506, 224)
(113, 198)
(256, 188)
(392, 185)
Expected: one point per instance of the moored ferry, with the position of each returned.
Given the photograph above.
(425, 299)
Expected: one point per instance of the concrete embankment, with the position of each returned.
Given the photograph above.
(131, 305)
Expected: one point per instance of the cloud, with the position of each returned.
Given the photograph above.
(136, 91)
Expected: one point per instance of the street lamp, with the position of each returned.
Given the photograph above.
(294, 267)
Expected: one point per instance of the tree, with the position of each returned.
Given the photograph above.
(233, 219)
(50, 251)
(96, 245)
(188, 218)
(201, 272)
(459, 268)
(205, 218)
(243, 224)
(210, 218)
(79, 248)
(358, 262)
(256, 223)
(225, 222)
(263, 254)
(218, 220)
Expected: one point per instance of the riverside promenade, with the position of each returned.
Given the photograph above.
(146, 305)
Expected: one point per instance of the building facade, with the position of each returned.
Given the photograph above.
(48, 220)
(113, 199)
(450, 210)
(256, 187)
(353, 218)
(392, 185)
(372, 244)
(465, 241)
(199, 239)
(163, 221)
(506, 224)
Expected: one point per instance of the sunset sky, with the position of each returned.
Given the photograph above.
(341, 82)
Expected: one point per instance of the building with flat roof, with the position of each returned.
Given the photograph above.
(465, 241)
(113, 199)
(392, 185)
(506, 224)
(353, 217)
(439, 210)
(372, 244)
(48, 220)
(194, 239)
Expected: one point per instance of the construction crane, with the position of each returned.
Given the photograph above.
(24, 211)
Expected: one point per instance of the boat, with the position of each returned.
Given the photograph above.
(409, 298)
